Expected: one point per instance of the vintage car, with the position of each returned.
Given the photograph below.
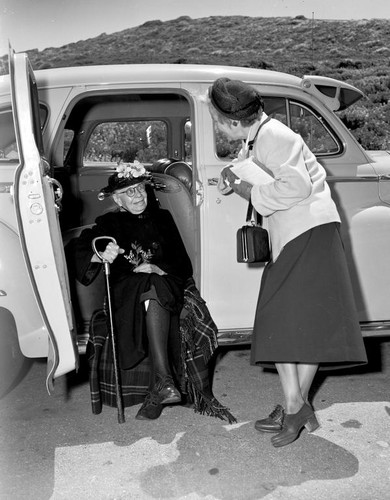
(63, 132)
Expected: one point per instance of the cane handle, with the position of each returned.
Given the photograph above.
(101, 238)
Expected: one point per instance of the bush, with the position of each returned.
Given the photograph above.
(348, 63)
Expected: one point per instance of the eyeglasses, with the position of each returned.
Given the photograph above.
(132, 190)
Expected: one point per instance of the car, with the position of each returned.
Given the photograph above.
(63, 132)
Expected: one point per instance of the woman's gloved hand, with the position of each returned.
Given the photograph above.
(149, 268)
(234, 183)
(243, 189)
(110, 253)
(224, 183)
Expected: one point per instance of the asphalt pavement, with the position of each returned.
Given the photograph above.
(53, 447)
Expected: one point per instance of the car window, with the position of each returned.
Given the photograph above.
(68, 138)
(313, 130)
(226, 150)
(276, 107)
(8, 148)
(299, 118)
(188, 141)
(8, 145)
(111, 142)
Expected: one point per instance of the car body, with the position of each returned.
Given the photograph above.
(61, 138)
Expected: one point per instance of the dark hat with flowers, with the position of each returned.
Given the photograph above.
(127, 174)
(235, 99)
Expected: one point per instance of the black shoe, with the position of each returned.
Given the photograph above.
(293, 424)
(166, 390)
(151, 408)
(273, 423)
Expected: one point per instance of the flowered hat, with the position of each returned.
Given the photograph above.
(127, 174)
(235, 99)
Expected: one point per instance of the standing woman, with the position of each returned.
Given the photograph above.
(305, 314)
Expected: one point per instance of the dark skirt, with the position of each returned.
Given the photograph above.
(306, 311)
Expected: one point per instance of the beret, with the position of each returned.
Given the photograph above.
(235, 99)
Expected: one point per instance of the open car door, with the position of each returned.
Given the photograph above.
(35, 195)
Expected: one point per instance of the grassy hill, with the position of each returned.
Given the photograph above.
(357, 52)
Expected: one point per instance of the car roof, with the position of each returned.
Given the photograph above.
(190, 73)
(156, 73)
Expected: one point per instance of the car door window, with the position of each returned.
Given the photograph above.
(111, 142)
(8, 146)
(300, 118)
(276, 107)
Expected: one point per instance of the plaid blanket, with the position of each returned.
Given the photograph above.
(134, 383)
(198, 338)
(199, 342)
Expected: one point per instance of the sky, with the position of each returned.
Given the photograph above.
(39, 24)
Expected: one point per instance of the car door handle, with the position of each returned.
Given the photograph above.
(199, 193)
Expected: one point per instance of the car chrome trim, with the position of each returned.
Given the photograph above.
(375, 325)
(5, 187)
(360, 178)
(244, 336)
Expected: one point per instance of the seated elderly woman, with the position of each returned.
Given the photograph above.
(149, 268)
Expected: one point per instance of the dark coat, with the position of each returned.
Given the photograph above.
(152, 234)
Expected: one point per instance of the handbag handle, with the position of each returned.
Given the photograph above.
(252, 141)
(258, 218)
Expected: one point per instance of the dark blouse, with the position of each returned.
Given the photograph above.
(149, 237)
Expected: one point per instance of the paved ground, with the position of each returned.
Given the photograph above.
(53, 447)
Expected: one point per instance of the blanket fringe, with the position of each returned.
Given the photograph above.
(208, 404)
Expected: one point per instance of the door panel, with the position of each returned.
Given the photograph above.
(37, 216)
(230, 288)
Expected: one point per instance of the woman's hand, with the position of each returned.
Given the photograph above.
(229, 182)
(110, 253)
(149, 268)
(234, 183)
(243, 189)
(224, 183)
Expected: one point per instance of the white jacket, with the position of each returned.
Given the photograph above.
(299, 198)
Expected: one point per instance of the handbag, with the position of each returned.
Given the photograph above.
(252, 240)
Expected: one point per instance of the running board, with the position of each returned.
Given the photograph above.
(235, 337)
(244, 336)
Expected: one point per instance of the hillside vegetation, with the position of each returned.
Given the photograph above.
(357, 52)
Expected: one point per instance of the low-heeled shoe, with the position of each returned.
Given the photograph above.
(293, 424)
(151, 407)
(274, 421)
(167, 391)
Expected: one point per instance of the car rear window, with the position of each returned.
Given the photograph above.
(111, 142)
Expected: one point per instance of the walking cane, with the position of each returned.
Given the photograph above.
(118, 390)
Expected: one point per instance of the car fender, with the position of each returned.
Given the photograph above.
(13, 365)
(17, 297)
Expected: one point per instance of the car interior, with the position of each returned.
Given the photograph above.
(101, 130)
